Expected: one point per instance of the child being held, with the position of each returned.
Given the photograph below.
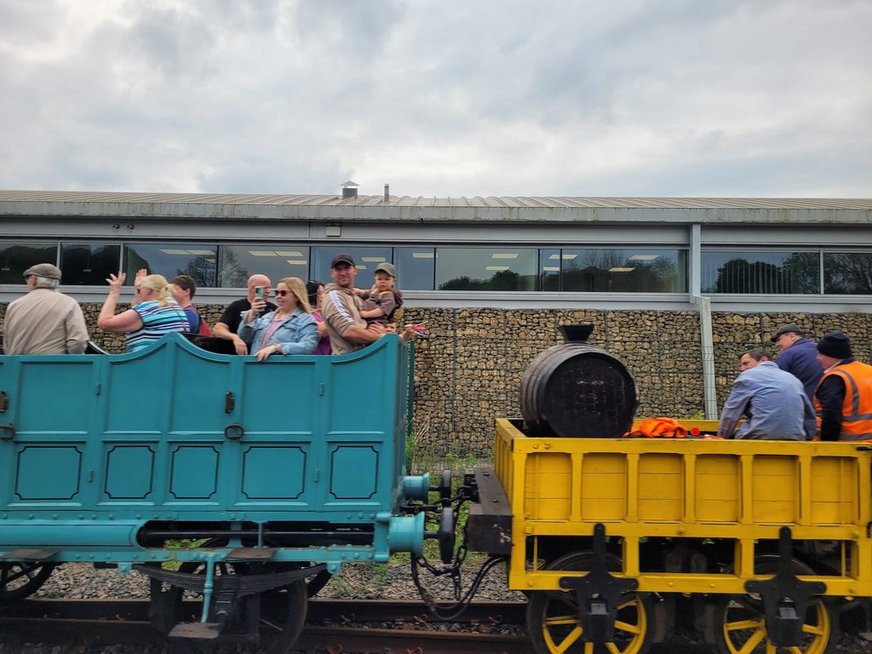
(383, 303)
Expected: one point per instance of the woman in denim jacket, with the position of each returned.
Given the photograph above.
(290, 329)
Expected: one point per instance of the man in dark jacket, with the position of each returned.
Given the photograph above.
(844, 396)
(798, 357)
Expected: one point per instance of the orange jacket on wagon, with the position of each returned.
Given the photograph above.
(857, 407)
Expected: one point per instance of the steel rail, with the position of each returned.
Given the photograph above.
(333, 626)
(319, 610)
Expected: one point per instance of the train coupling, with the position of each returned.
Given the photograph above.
(417, 488)
(489, 525)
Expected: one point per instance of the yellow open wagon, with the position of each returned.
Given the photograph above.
(768, 538)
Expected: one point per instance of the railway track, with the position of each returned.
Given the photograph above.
(333, 627)
(319, 610)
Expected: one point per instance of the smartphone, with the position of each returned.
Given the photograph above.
(258, 291)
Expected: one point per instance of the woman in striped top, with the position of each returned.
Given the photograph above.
(153, 312)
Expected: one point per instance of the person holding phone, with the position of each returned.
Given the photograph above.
(256, 300)
(290, 329)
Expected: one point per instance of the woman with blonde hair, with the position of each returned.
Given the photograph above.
(290, 329)
(152, 314)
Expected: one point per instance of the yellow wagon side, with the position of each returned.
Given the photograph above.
(686, 516)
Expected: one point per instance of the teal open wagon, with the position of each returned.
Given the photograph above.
(277, 472)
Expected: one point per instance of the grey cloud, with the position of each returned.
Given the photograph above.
(438, 97)
(353, 30)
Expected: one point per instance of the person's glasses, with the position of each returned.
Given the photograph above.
(281, 293)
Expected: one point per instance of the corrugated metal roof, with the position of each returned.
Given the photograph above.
(493, 202)
(409, 209)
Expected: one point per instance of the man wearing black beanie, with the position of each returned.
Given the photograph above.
(843, 399)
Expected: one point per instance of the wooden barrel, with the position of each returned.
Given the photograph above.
(577, 390)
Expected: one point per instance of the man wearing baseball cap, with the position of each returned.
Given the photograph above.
(45, 321)
(843, 399)
(798, 356)
(347, 329)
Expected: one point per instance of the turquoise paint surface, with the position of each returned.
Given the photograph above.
(105, 442)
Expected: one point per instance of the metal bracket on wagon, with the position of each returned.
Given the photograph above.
(598, 593)
(785, 598)
(489, 523)
(7, 432)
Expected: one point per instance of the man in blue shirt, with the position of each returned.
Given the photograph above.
(773, 400)
(798, 357)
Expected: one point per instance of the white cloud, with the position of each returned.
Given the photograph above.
(438, 97)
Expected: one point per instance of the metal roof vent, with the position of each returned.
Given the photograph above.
(349, 189)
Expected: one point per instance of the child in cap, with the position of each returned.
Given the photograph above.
(383, 303)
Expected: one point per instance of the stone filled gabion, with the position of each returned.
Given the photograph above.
(468, 369)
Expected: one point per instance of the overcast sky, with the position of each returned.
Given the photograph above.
(439, 97)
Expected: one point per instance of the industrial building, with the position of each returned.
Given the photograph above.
(700, 278)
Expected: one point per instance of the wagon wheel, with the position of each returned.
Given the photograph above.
(20, 579)
(282, 610)
(316, 583)
(554, 627)
(282, 616)
(739, 627)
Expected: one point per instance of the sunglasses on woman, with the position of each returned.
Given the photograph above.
(280, 292)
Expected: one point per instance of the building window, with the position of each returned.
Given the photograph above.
(84, 264)
(171, 259)
(366, 258)
(236, 263)
(769, 272)
(627, 270)
(549, 269)
(416, 267)
(16, 257)
(502, 268)
(848, 273)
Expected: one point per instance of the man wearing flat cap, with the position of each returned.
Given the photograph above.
(798, 357)
(341, 309)
(843, 399)
(45, 321)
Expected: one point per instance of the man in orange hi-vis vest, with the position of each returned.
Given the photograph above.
(843, 399)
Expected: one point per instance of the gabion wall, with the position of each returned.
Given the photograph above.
(468, 370)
